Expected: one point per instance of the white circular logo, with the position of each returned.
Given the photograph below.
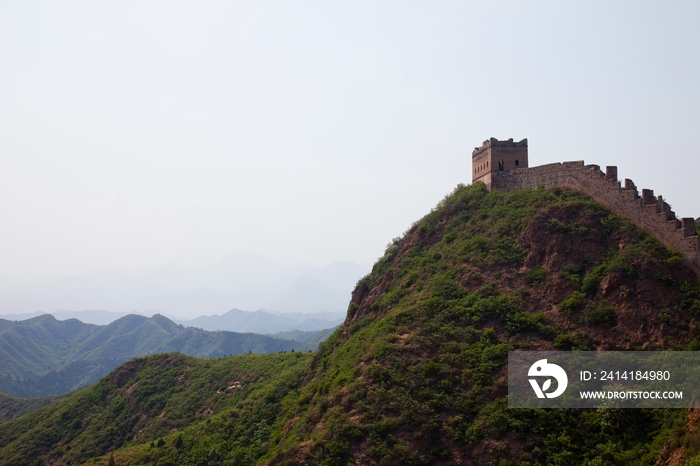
(543, 369)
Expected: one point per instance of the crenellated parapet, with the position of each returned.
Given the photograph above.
(508, 146)
(647, 211)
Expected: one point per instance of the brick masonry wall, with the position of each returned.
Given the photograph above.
(646, 211)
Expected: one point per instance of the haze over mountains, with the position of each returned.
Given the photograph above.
(241, 281)
(265, 322)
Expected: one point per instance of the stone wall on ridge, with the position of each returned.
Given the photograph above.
(647, 211)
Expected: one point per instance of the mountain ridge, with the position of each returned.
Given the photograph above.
(43, 356)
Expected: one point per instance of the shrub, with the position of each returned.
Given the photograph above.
(431, 368)
(352, 309)
(603, 314)
(573, 274)
(610, 223)
(573, 342)
(524, 321)
(564, 342)
(534, 276)
(592, 279)
(674, 261)
(555, 226)
(506, 252)
(572, 303)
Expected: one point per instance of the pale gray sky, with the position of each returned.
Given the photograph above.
(134, 134)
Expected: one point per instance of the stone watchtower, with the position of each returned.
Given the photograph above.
(497, 156)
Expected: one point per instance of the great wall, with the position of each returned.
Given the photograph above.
(647, 211)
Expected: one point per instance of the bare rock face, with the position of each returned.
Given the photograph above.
(561, 236)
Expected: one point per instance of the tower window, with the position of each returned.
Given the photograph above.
(517, 162)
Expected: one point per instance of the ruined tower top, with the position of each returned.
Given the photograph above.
(494, 156)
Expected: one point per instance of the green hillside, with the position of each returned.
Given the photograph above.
(310, 337)
(12, 407)
(44, 356)
(144, 400)
(417, 375)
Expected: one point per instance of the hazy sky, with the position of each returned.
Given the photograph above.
(134, 134)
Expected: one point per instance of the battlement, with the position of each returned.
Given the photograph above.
(504, 146)
(647, 211)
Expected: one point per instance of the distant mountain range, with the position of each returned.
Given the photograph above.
(242, 280)
(44, 356)
(266, 322)
(235, 320)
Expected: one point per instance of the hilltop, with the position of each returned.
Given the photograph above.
(417, 373)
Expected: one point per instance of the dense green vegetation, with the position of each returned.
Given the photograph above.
(44, 356)
(417, 375)
(12, 407)
(143, 401)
